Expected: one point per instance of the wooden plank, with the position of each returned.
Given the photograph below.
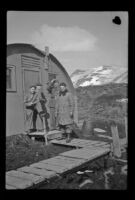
(65, 163)
(63, 143)
(78, 140)
(97, 147)
(87, 142)
(84, 141)
(50, 134)
(62, 161)
(54, 131)
(37, 134)
(96, 142)
(34, 178)
(42, 172)
(74, 142)
(116, 141)
(86, 154)
(9, 187)
(50, 167)
(17, 182)
(80, 143)
(92, 145)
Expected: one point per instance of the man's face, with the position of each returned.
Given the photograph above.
(32, 90)
(56, 84)
(62, 88)
(38, 87)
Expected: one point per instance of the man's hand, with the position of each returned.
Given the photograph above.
(71, 114)
(56, 115)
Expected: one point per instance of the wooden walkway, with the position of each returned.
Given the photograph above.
(81, 143)
(31, 176)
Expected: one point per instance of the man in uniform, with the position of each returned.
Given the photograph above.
(40, 106)
(64, 110)
(30, 101)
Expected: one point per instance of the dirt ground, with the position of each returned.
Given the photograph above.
(22, 151)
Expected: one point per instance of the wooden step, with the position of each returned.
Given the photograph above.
(50, 135)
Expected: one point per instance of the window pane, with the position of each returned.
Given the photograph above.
(52, 76)
(9, 71)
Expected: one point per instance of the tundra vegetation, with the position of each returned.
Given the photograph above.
(102, 105)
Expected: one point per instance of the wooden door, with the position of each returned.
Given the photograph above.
(31, 76)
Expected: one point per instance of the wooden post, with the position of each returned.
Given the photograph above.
(76, 110)
(45, 132)
(86, 128)
(116, 141)
(46, 63)
(126, 127)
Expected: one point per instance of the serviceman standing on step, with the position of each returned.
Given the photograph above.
(64, 110)
(30, 101)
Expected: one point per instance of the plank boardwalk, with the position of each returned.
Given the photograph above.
(29, 176)
(82, 143)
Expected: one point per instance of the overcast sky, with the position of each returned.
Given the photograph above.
(77, 39)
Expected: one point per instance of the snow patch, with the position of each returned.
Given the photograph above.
(99, 130)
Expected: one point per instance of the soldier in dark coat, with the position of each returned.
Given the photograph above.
(64, 110)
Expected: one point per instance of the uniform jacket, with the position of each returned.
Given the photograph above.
(64, 107)
(38, 99)
(30, 98)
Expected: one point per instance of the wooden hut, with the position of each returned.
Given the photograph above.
(27, 65)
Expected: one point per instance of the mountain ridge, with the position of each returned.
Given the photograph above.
(99, 76)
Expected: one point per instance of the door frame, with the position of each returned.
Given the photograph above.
(35, 69)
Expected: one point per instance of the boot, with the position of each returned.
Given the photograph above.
(68, 139)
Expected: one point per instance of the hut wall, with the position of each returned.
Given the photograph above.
(14, 100)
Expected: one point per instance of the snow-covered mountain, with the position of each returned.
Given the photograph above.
(99, 76)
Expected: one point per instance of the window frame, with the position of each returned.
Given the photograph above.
(13, 79)
(50, 73)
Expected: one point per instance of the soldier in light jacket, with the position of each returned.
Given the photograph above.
(64, 110)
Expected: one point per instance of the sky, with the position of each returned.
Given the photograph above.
(79, 40)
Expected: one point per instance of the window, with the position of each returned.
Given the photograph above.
(11, 78)
(51, 76)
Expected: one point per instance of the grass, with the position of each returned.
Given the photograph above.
(22, 151)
